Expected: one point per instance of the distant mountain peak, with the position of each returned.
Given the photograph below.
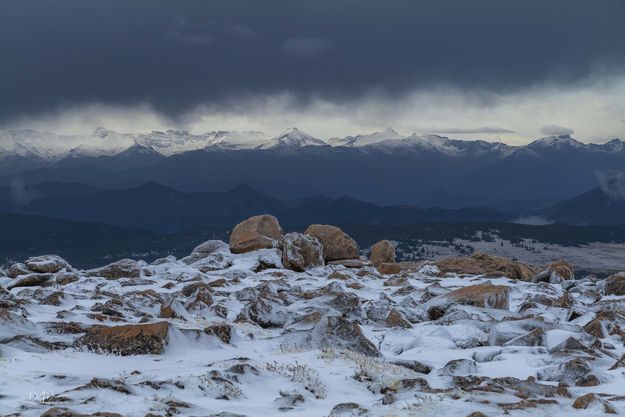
(557, 141)
(295, 137)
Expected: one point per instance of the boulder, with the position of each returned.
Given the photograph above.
(204, 250)
(352, 263)
(337, 244)
(132, 339)
(66, 412)
(301, 252)
(348, 410)
(30, 280)
(482, 295)
(614, 284)
(18, 269)
(487, 265)
(390, 268)
(340, 333)
(125, 268)
(46, 263)
(382, 252)
(257, 232)
(592, 400)
(562, 268)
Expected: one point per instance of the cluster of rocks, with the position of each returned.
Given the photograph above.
(481, 335)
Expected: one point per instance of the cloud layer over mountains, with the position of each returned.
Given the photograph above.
(446, 66)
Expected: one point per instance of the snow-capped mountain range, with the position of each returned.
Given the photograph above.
(104, 142)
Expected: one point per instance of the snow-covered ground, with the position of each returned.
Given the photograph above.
(331, 341)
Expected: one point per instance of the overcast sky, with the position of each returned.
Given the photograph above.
(510, 70)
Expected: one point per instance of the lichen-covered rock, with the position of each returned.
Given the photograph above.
(222, 331)
(482, 295)
(340, 333)
(337, 244)
(614, 284)
(125, 268)
(591, 400)
(66, 412)
(389, 268)
(348, 410)
(46, 263)
(301, 252)
(18, 269)
(257, 232)
(204, 250)
(132, 339)
(382, 252)
(30, 280)
(562, 268)
(487, 265)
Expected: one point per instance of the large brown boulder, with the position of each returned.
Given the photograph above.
(337, 244)
(482, 295)
(301, 252)
(131, 339)
(614, 284)
(382, 252)
(562, 268)
(46, 263)
(487, 265)
(257, 232)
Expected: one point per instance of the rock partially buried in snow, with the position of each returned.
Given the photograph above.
(487, 265)
(30, 280)
(204, 250)
(132, 339)
(382, 252)
(483, 295)
(301, 252)
(340, 333)
(337, 245)
(18, 269)
(46, 263)
(614, 284)
(257, 232)
(125, 268)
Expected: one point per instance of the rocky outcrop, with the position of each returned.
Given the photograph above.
(125, 268)
(257, 232)
(486, 265)
(337, 244)
(382, 252)
(132, 339)
(301, 252)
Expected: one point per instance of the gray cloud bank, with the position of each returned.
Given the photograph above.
(177, 56)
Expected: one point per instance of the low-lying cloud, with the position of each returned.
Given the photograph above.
(613, 184)
(554, 130)
(514, 118)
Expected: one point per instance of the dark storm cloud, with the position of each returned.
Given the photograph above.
(177, 55)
